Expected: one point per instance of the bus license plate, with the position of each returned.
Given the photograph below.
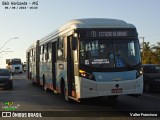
(118, 90)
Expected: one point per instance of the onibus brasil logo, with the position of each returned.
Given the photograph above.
(9, 106)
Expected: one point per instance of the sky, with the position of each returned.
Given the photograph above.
(30, 25)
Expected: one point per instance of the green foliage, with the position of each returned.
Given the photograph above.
(150, 53)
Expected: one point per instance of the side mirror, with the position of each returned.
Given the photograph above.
(74, 43)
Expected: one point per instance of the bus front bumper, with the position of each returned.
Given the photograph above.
(91, 88)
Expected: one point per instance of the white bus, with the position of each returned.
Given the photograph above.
(14, 65)
(88, 58)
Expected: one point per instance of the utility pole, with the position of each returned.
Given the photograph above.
(142, 42)
(142, 45)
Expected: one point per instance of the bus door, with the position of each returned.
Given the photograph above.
(54, 46)
(37, 54)
(28, 65)
(70, 68)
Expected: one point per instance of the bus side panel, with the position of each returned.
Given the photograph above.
(41, 69)
(87, 88)
(61, 74)
(33, 72)
(48, 75)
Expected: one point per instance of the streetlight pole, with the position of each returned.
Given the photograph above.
(5, 51)
(7, 42)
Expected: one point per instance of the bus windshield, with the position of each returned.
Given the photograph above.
(15, 62)
(101, 53)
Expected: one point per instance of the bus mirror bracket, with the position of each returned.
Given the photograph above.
(74, 43)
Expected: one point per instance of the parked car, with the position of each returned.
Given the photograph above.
(151, 77)
(5, 79)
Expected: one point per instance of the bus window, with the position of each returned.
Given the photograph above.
(33, 56)
(60, 49)
(41, 49)
(49, 50)
(42, 58)
(45, 48)
(131, 49)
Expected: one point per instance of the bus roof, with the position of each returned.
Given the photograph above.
(97, 23)
(33, 45)
(90, 23)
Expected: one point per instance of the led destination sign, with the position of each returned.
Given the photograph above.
(108, 33)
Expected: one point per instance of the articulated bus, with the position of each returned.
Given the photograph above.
(88, 58)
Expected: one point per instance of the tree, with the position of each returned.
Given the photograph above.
(156, 49)
(150, 53)
(146, 53)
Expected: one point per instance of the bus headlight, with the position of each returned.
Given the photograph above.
(87, 75)
(139, 73)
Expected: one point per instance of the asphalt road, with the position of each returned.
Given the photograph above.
(27, 97)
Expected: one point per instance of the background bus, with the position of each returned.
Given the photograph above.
(88, 58)
(14, 65)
